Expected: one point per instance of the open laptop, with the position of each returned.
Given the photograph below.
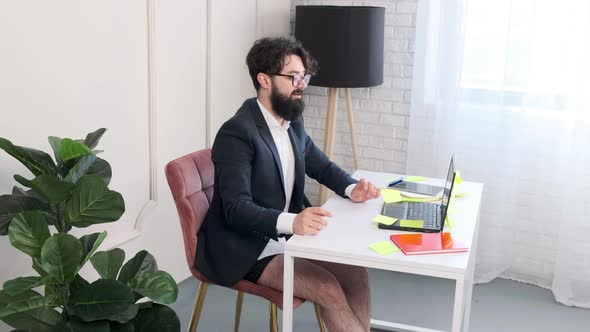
(432, 214)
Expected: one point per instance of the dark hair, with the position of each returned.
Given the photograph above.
(267, 56)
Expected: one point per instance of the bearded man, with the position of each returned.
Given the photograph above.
(261, 156)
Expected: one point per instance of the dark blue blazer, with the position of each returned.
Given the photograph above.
(249, 192)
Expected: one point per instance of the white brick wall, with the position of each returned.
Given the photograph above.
(381, 113)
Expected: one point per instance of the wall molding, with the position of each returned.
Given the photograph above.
(152, 129)
(208, 140)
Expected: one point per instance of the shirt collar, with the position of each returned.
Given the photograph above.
(271, 122)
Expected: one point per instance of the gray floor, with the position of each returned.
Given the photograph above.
(501, 305)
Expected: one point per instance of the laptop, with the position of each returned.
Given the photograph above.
(432, 214)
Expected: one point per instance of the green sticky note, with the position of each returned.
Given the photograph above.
(412, 223)
(391, 196)
(385, 220)
(414, 178)
(384, 248)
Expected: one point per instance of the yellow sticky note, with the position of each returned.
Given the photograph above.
(414, 199)
(420, 199)
(451, 208)
(385, 220)
(412, 223)
(449, 222)
(414, 178)
(384, 248)
(458, 179)
(391, 196)
(460, 194)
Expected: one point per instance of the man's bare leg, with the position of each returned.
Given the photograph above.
(354, 280)
(314, 283)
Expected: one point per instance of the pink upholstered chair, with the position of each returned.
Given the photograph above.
(191, 182)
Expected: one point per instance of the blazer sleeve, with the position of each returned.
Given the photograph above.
(320, 168)
(232, 156)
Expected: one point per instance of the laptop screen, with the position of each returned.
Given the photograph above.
(446, 195)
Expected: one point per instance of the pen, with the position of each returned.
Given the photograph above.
(393, 183)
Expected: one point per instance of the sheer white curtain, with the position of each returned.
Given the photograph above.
(505, 85)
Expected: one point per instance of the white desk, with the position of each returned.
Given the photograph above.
(351, 229)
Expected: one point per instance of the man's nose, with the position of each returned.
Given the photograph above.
(302, 85)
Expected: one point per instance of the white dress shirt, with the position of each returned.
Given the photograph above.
(280, 135)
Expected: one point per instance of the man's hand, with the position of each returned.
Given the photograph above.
(310, 221)
(364, 191)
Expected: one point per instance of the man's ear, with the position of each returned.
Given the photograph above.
(263, 80)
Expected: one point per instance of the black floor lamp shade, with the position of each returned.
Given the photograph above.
(347, 41)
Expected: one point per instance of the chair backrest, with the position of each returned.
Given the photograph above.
(191, 182)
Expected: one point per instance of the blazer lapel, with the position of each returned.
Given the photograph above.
(299, 166)
(267, 138)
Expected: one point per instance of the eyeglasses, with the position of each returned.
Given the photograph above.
(296, 79)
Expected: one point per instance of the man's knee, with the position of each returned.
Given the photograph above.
(358, 275)
(330, 290)
(361, 272)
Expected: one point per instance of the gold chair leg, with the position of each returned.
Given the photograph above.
(318, 314)
(239, 301)
(198, 306)
(274, 321)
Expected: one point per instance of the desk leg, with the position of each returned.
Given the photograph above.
(458, 306)
(288, 293)
(468, 298)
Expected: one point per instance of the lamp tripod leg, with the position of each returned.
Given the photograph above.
(352, 129)
(329, 134)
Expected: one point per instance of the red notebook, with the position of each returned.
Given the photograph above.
(427, 243)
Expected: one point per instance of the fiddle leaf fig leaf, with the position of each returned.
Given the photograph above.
(60, 256)
(101, 168)
(102, 299)
(157, 318)
(157, 285)
(32, 303)
(141, 263)
(80, 168)
(11, 205)
(117, 327)
(39, 320)
(71, 149)
(75, 324)
(21, 284)
(90, 244)
(91, 140)
(55, 143)
(38, 162)
(108, 263)
(48, 186)
(28, 232)
(93, 203)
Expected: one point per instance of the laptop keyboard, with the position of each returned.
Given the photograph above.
(425, 211)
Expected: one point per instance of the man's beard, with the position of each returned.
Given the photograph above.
(284, 106)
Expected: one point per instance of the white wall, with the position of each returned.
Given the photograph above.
(69, 67)
(234, 27)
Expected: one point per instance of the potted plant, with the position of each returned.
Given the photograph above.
(72, 191)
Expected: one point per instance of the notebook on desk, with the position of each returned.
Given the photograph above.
(427, 243)
(421, 217)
